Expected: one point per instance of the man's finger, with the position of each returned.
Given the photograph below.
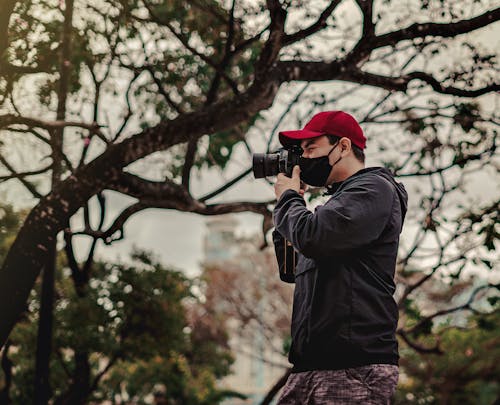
(296, 171)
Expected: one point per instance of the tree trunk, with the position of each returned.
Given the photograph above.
(7, 371)
(276, 387)
(44, 339)
(79, 389)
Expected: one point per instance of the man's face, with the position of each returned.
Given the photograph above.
(317, 147)
(321, 146)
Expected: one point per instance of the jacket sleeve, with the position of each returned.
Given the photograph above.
(356, 217)
(286, 257)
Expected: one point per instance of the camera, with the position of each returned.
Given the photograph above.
(270, 164)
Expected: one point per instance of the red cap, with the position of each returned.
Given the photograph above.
(336, 123)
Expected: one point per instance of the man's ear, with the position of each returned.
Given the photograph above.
(345, 144)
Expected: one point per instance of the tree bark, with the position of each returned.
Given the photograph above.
(80, 386)
(44, 337)
(42, 391)
(6, 364)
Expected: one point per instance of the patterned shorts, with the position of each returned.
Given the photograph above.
(368, 385)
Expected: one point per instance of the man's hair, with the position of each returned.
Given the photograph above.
(358, 152)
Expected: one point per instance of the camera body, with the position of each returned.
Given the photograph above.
(282, 161)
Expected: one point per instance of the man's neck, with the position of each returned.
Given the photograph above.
(348, 172)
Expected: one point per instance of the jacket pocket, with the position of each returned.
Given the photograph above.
(304, 264)
(305, 279)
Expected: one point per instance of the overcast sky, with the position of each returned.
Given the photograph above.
(177, 238)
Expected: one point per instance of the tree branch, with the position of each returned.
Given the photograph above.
(249, 41)
(65, 368)
(162, 91)
(417, 347)
(366, 7)
(31, 188)
(129, 110)
(363, 48)
(146, 190)
(467, 306)
(437, 29)
(214, 209)
(321, 71)
(90, 256)
(11, 119)
(226, 59)
(276, 387)
(168, 195)
(192, 147)
(117, 226)
(225, 186)
(458, 162)
(32, 131)
(185, 42)
(318, 25)
(76, 273)
(25, 174)
(273, 45)
(439, 88)
(101, 374)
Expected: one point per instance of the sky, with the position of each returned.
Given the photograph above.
(177, 238)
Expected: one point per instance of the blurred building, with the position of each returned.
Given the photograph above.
(220, 242)
(257, 366)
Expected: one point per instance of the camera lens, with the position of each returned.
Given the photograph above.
(265, 165)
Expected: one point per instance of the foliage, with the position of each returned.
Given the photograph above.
(10, 222)
(134, 321)
(468, 372)
(156, 91)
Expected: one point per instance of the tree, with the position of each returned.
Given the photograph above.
(196, 81)
(132, 331)
(467, 372)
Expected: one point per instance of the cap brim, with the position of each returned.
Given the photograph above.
(289, 138)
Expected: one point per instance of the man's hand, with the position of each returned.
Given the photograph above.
(284, 183)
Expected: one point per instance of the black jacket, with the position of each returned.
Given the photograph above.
(342, 260)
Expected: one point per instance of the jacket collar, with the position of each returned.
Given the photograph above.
(332, 188)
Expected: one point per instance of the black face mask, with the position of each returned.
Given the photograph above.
(315, 171)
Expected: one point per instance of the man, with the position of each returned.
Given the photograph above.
(342, 260)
